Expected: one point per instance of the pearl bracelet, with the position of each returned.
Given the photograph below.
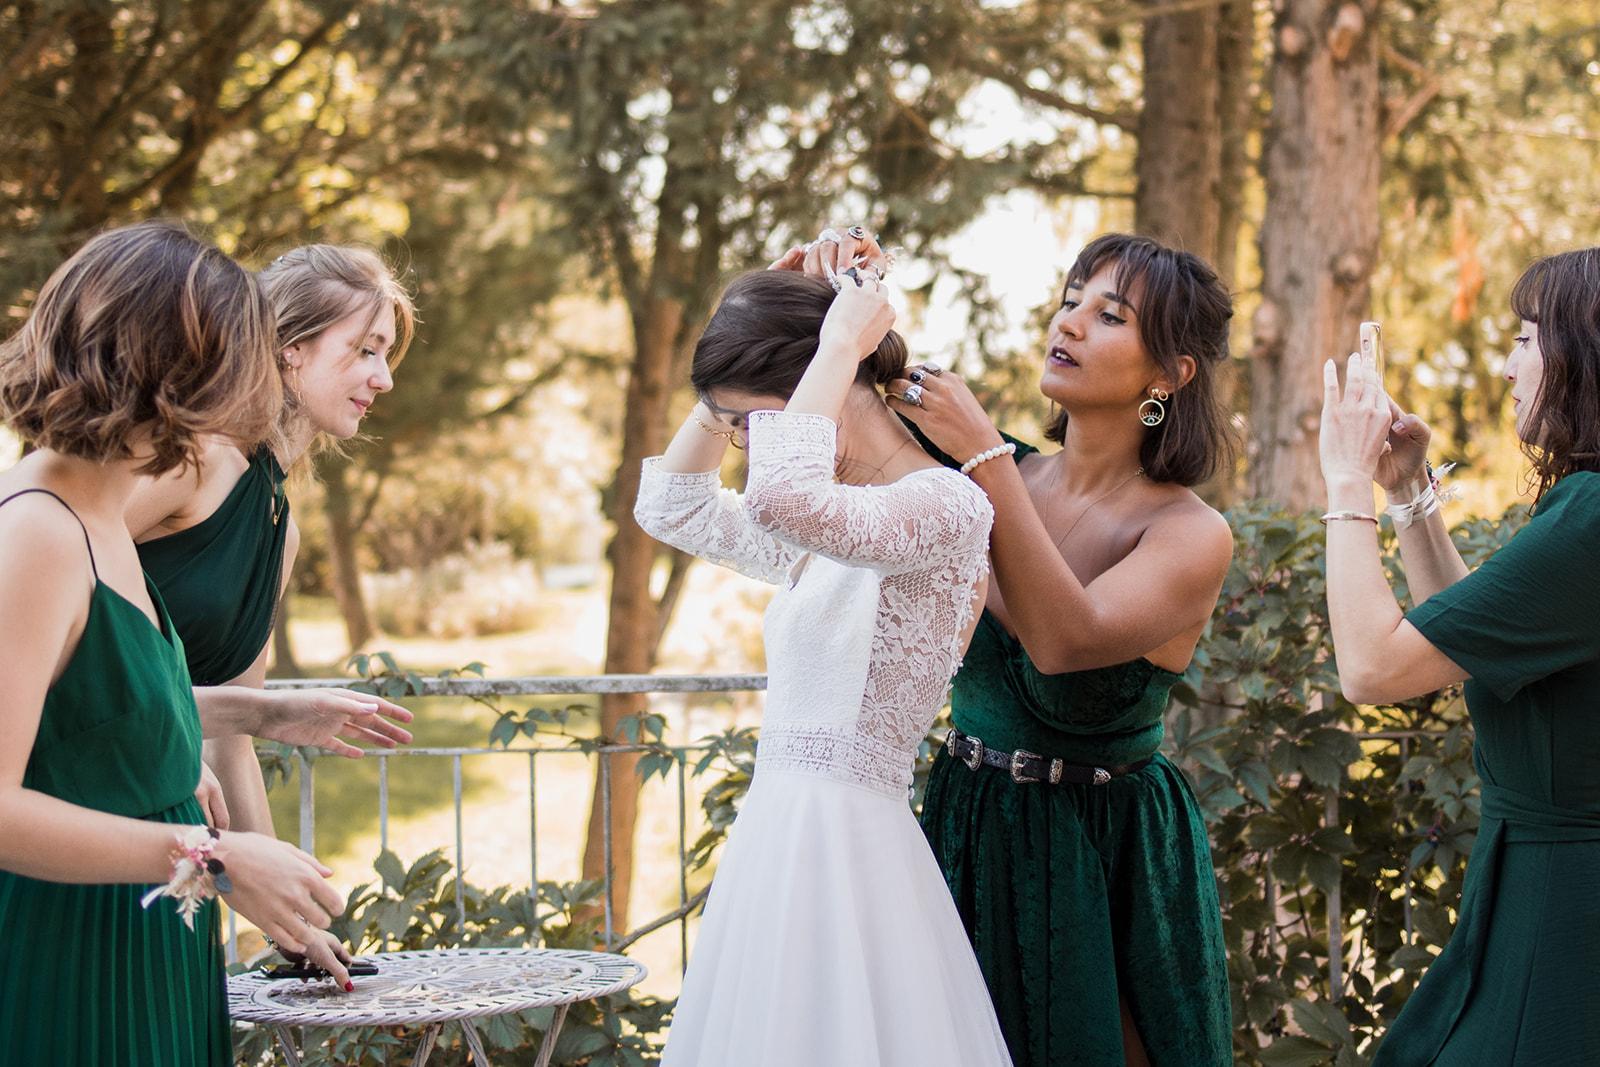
(987, 454)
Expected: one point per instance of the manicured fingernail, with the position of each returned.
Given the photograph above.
(349, 987)
(1397, 427)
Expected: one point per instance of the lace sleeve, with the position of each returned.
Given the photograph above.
(917, 521)
(695, 513)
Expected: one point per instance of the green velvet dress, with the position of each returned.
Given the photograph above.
(221, 577)
(88, 977)
(1519, 983)
(1078, 896)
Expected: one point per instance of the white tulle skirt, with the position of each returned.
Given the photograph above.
(830, 940)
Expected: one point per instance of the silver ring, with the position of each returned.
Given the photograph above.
(933, 369)
(853, 274)
(829, 235)
(913, 395)
(916, 377)
(858, 232)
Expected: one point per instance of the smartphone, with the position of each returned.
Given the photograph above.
(1372, 345)
(311, 972)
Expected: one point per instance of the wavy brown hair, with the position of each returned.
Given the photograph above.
(1185, 310)
(313, 287)
(146, 331)
(1561, 295)
(764, 332)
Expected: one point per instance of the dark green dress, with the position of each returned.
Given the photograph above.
(88, 977)
(1519, 983)
(221, 577)
(1076, 895)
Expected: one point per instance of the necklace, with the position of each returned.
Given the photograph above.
(1090, 507)
(879, 468)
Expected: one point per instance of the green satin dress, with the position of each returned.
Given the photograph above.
(88, 977)
(1077, 896)
(1518, 985)
(221, 577)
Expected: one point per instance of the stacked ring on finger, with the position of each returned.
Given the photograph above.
(858, 232)
(913, 395)
(933, 369)
(916, 377)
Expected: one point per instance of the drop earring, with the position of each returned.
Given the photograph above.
(1153, 412)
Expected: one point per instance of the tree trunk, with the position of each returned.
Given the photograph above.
(633, 626)
(1236, 41)
(1319, 233)
(1179, 165)
(342, 533)
(283, 661)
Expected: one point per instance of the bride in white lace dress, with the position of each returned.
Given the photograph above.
(829, 939)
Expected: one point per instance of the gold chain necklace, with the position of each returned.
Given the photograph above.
(879, 468)
(1090, 507)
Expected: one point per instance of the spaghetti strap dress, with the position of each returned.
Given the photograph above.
(89, 977)
(221, 577)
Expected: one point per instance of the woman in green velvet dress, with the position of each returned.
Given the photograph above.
(1075, 851)
(1518, 985)
(139, 346)
(219, 540)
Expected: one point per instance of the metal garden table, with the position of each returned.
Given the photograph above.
(435, 986)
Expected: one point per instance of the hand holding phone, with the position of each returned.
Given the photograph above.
(1372, 345)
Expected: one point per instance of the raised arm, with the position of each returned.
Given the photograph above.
(920, 519)
(682, 502)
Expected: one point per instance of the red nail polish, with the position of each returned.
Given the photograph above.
(349, 987)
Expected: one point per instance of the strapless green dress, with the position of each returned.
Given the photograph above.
(221, 577)
(88, 977)
(1078, 896)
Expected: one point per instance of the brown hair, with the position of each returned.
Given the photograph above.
(313, 287)
(1185, 310)
(763, 335)
(1561, 295)
(145, 329)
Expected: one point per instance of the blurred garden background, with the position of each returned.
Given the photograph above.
(568, 184)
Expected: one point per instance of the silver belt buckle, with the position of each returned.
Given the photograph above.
(1017, 758)
(1101, 776)
(973, 759)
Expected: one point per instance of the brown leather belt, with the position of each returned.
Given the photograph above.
(1028, 766)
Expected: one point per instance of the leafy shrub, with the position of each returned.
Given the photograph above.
(482, 589)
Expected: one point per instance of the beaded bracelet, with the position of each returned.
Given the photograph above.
(197, 875)
(987, 454)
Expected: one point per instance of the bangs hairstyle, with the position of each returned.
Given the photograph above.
(1561, 295)
(1183, 310)
(314, 287)
(146, 330)
(763, 335)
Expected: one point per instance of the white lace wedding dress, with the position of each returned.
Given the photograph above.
(829, 939)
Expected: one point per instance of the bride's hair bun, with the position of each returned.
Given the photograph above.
(763, 335)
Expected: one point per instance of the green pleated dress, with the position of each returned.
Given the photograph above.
(88, 977)
(221, 577)
(1518, 985)
(1076, 896)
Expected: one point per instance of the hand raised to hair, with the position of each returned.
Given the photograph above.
(859, 319)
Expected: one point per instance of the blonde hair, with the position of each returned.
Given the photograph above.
(313, 287)
(146, 329)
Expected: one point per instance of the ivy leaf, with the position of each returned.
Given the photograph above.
(1321, 1021)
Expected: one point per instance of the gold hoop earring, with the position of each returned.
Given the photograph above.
(1153, 412)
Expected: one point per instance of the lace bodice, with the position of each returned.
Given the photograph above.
(879, 586)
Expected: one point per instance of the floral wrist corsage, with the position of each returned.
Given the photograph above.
(197, 875)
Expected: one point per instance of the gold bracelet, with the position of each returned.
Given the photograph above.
(1349, 516)
(726, 435)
